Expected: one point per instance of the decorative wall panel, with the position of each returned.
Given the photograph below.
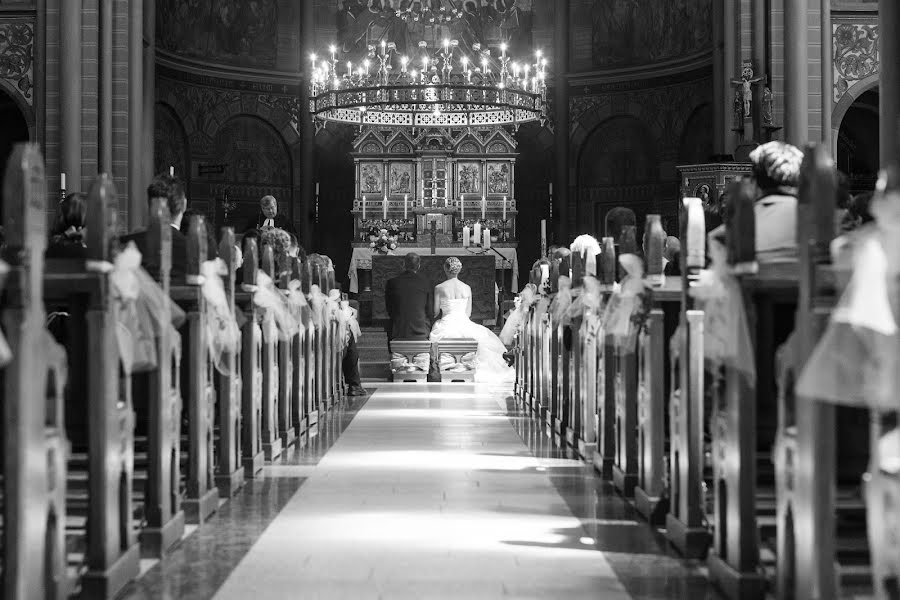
(856, 55)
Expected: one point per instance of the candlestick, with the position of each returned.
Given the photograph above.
(466, 239)
(385, 206)
(504, 208)
(405, 205)
(487, 238)
(62, 181)
(477, 232)
(543, 238)
(483, 207)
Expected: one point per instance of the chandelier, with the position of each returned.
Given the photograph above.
(441, 86)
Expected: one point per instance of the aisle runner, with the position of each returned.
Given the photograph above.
(430, 493)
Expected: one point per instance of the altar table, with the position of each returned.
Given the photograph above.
(362, 259)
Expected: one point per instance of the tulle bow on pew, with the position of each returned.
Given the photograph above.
(621, 319)
(726, 333)
(222, 330)
(318, 303)
(516, 318)
(559, 307)
(346, 318)
(144, 309)
(277, 322)
(587, 305)
(857, 359)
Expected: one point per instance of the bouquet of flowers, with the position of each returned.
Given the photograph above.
(383, 240)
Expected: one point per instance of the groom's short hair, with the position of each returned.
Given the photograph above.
(412, 262)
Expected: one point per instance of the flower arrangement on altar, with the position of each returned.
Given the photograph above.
(383, 240)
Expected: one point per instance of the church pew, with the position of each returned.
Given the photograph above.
(197, 380)
(100, 529)
(286, 365)
(577, 399)
(559, 384)
(586, 381)
(409, 349)
(251, 364)
(229, 474)
(316, 268)
(603, 387)
(458, 349)
(271, 442)
(298, 358)
(35, 447)
(310, 406)
(686, 526)
(158, 408)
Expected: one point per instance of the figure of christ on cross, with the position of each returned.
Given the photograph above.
(746, 82)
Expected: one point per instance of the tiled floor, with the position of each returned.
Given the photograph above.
(437, 491)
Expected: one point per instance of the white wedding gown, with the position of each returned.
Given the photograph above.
(490, 366)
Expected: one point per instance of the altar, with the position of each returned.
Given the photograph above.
(477, 272)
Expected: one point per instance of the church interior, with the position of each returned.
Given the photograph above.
(659, 214)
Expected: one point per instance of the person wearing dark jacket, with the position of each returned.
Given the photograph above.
(408, 299)
(269, 218)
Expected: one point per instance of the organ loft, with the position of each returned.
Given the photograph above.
(449, 298)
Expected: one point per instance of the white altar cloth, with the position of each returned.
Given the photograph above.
(362, 259)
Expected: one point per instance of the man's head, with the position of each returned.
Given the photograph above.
(672, 248)
(776, 164)
(412, 262)
(170, 189)
(269, 206)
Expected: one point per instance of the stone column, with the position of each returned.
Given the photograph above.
(105, 125)
(70, 92)
(827, 73)
(758, 26)
(561, 103)
(721, 97)
(136, 182)
(149, 90)
(889, 91)
(307, 129)
(796, 72)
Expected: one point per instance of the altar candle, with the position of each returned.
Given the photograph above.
(466, 239)
(487, 238)
(385, 206)
(317, 188)
(462, 207)
(483, 207)
(405, 205)
(62, 181)
(551, 188)
(364, 208)
(171, 171)
(545, 274)
(504, 208)
(477, 233)
(543, 237)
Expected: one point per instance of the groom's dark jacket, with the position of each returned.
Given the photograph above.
(409, 302)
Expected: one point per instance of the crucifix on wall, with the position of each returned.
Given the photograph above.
(743, 99)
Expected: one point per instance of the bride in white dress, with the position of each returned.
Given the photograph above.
(453, 303)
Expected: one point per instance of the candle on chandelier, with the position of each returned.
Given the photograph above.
(349, 68)
(405, 205)
(503, 50)
(543, 238)
(385, 206)
(483, 207)
(477, 232)
(383, 47)
(62, 181)
(504, 208)
(551, 188)
(487, 238)
(403, 61)
(333, 49)
(366, 66)
(317, 188)
(466, 239)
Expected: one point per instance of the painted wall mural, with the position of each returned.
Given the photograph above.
(401, 178)
(469, 178)
(364, 23)
(498, 178)
(371, 178)
(855, 54)
(633, 32)
(238, 32)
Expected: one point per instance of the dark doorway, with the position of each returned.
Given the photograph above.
(858, 139)
(13, 130)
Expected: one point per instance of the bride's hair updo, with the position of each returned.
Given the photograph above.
(452, 266)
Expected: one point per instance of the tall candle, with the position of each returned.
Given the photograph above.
(483, 207)
(487, 238)
(171, 171)
(62, 181)
(466, 239)
(543, 237)
(478, 233)
(317, 188)
(504, 208)
(462, 207)
(551, 188)
(405, 205)
(385, 206)
(364, 207)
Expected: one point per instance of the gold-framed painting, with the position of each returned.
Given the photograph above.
(371, 178)
(498, 176)
(469, 178)
(401, 178)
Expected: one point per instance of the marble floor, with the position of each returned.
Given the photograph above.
(425, 491)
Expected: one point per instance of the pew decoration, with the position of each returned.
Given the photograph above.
(726, 332)
(516, 318)
(5, 351)
(222, 327)
(562, 303)
(855, 361)
(588, 247)
(318, 302)
(623, 318)
(277, 322)
(588, 304)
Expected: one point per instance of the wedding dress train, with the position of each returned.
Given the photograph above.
(490, 366)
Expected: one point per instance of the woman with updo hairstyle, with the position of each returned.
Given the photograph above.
(453, 304)
(67, 233)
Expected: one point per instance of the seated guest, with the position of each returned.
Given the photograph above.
(858, 212)
(776, 169)
(672, 256)
(171, 189)
(67, 234)
(269, 217)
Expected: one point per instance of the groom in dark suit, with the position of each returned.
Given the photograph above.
(409, 303)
